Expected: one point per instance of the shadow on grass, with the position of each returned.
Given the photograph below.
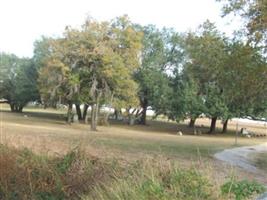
(57, 117)
(35, 117)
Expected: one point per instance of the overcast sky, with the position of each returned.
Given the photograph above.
(24, 21)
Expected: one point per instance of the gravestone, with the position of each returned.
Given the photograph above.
(244, 132)
(75, 119)
(131, 121)
(179, 133)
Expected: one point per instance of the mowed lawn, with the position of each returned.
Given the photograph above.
(46, 131)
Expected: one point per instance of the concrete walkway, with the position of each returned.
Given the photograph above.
(240, 156)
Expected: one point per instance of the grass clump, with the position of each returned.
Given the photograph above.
(241, 190)
(24, 175)
(149, 180)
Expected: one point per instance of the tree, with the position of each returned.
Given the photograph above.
(51, 71)
(95, 64)
(230, 75)
(42, 51)
(215, 104)
(206, 53)
(161, 52)
(254, 13)
(19, 77)
(8, 65)
(243, 80)
(56, 84)
(185, 99)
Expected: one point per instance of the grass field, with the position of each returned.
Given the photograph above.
(46, 129)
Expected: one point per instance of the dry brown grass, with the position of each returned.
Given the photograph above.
(48, 132)
(26, 176)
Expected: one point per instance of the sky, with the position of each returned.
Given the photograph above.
(24, 21)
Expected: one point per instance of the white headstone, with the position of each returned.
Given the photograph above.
(75, 119)
(179, 133)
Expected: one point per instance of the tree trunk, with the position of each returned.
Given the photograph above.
(213, 125)
(45, 105)
(225, 124)
(20, 108)
(16, 107)
(129, 116)
(105, 119)
(143, 116)
(54, 105)
(116, 114)
(12, 107)
(78, 111)
(94, 116)
(192, 123)
(85, 109)
(69, 113)
(93, 126)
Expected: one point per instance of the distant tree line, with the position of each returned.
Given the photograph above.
(128, 66)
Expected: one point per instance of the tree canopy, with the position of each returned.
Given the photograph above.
(18, 81)
(94, 65)
(254, 14)
(122, 65)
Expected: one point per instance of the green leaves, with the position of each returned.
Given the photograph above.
(161, 53)
(241, 189)
(93, 65)
(220, 78)
(254, 14)
(186, 101)
(18, 77)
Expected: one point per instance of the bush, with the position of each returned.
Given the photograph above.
(241, 189)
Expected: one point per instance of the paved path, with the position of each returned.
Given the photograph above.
(240, 156)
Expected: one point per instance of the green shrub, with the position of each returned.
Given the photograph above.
(241, 189)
